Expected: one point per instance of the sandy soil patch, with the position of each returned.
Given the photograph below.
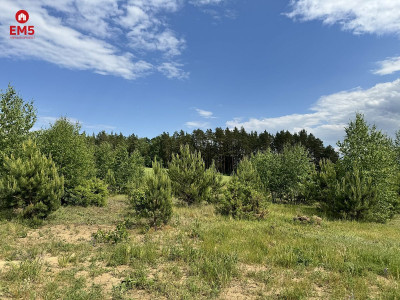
(69, 233)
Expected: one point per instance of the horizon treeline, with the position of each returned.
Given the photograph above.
(225, 147)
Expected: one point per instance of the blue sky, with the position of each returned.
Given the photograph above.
(145, 67)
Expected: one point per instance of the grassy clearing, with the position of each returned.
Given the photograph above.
(199, 255)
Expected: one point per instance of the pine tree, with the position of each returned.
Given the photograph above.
(188, 175)
(31, 183)
(247, 173)
(349, 196)
(154, 200)
(242, 201)
(244, 196)
(214, 182)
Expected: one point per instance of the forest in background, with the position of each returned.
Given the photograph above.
(226, 147)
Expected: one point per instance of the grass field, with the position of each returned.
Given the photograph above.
(199, 255)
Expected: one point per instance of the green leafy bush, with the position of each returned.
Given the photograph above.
(16, 119)
(71, 152)
(120, 234)
(363, 184)
(369, 154)
(154, 200)
(31, 183)
(128, 169)
(284, 174)
(191, 182)
(91, 192)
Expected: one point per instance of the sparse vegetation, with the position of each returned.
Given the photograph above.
(199, 256)
(120, 234)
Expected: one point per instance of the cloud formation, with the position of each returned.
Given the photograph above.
(173, 70)
(330, 114)
(380, 104)
(130, 38)
(205, 114)
(358, 16)
(388, 66)
(206, 2)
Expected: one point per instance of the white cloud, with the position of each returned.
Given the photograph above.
(196, 124)
(165, 42)
(388, 66)
(88, 16)
(108, 37)
(173, 70)
(201, 124)
(206, 2)
(358, 16)
(205, 114)
(126, 38)
(328, 117)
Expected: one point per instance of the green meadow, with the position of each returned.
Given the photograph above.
(199, 255)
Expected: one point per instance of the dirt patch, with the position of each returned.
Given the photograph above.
(107, 281)
(84, 274)
(6, 264)
(142, 295)
(241, 290)
(319, 292)
(51, 261)
(253, 268)
(69, 234)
